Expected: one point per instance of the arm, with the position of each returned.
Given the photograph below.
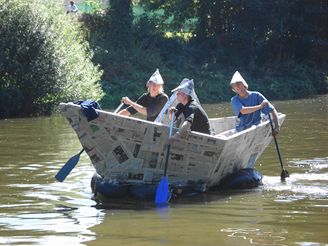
(172, 109)
(74, 8)
(184, 128)
(182, 133)
(124, 112)
(142, 110)
(252, 109)
(275, 120)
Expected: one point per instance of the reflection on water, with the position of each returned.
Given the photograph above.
(37, 210)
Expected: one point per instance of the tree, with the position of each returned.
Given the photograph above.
(120, 24)
(44, 59)
(270, 41)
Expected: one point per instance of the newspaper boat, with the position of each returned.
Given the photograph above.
(128, 153)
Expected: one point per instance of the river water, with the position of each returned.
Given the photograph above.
(35, 209)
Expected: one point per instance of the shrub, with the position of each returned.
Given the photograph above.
(44, 59)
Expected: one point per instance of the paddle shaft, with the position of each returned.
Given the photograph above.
(162, 195)
(275, 141)
(81, 151)
(118, 108)
(166, 106)
(167, 159)
(169, 146)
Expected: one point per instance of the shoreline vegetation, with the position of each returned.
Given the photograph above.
(48, 56)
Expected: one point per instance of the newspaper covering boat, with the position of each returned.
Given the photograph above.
(129, 153)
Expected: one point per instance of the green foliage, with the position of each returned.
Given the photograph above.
(267, 41)
(290, 80)
(43, 59)
(93, 6)
(120, 21)
(280, 47)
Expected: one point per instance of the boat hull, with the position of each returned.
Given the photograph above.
(243, 179)
(127, 150)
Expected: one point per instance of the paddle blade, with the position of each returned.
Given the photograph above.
(284, 174)
(68, 167)
(162, 192)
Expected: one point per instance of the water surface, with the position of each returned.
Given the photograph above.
(35, 209)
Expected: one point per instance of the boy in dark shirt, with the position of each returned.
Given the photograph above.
(189, 113)
(150, 103)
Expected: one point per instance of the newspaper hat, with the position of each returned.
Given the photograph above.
(156, 78)
(187, 86)
(238, 78)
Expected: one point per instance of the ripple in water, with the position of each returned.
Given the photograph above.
(309, 184)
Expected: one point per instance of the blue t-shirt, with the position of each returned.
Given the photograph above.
(247, 120)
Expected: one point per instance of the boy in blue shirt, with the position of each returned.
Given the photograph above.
(249, 106)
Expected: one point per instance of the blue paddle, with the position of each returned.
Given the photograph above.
(68, 167)
(162, 191)
(284, 173)
(71, 163)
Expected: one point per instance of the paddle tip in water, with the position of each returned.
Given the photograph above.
(59, 178)
(284, 174)
(162, 192)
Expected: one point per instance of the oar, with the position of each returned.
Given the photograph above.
(169, 103)
(71, 163)
(162, 191)
(118, 108)
(284, 173)
(68, 167)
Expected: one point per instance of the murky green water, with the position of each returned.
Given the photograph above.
(37, 210)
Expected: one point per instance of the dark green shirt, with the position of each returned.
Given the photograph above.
(195, 114)
(154, 105)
